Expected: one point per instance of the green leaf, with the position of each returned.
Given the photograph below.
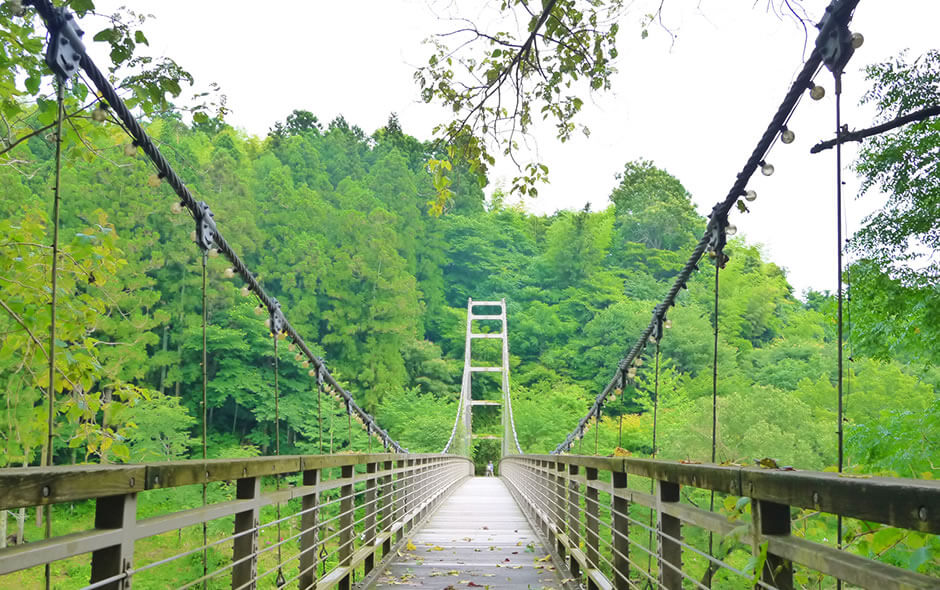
(140, 38)
(32, 84)
(82, 6)
(108, 35)
(918, 558)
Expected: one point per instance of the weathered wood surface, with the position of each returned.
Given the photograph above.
(478, 535)
(895, 501)
(35, 486)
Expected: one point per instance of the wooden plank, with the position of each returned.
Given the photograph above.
(477, 534)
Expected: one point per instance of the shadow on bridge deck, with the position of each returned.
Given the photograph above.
(478, 537)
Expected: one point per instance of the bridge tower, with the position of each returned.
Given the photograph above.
(508, 442)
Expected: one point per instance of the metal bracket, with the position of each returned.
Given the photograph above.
(65, 50)
(206, 231)
(718, 225)
(278, 321)
(659, 318)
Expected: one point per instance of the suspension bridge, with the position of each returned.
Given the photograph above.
(389, 519)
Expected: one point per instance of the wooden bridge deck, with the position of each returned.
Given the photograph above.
(477, 538)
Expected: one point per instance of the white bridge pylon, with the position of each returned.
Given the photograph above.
(509, 443)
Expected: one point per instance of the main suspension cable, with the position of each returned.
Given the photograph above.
(54, 19)
(838, 11)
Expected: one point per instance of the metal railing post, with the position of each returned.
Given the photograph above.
(670, 551)
(245, 546)
(309, 538)
(346, 519)
(115, 512)
(574, 519)
(774, 519)
(621, 534)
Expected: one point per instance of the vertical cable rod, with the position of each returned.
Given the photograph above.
(839, 432)
(277, 451)
(50, 394)
(320, 413)
(649, 555)
(711, 496)
(205, 386)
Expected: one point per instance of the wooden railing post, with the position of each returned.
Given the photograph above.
(371, 508)
(670, 551)
(560, 506)
(398, 498)
(387, 501)
(574, 519)
(546, 480)
(621, 534)
(114, 512)
(405, 505)
(591, 524)
(245, 546)
(309, 524)
(774, 519)
(346, 532)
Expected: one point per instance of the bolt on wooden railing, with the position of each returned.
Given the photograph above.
(612, 535)
(340, 514)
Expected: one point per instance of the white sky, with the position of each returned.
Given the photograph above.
(695, 109)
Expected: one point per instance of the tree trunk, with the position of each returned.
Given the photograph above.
(166, 332)
(3, 529)
(21, 524)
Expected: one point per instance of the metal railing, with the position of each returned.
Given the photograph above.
(308, 521)
(615, 535)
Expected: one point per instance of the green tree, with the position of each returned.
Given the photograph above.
(894, 285)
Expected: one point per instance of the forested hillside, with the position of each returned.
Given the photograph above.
(336, 223)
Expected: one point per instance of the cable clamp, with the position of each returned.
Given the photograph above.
(278, 321)
(65, 50)
(718, 226)
(206, 230)
(834, 42)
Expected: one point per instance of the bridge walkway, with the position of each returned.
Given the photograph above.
(477, 537)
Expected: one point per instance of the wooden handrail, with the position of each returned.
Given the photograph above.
(552, 488)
